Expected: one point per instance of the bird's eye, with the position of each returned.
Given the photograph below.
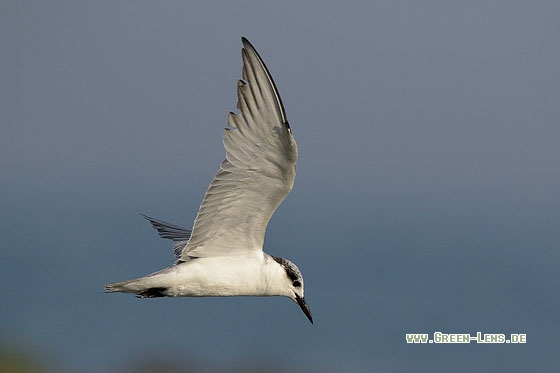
(296, 283)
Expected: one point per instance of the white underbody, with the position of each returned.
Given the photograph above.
(256, 274)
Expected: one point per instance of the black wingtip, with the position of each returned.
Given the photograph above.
(247, 45)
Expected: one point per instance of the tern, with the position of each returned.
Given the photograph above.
(223, 254)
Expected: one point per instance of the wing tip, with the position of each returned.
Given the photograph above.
(248, 48)
(246, 41)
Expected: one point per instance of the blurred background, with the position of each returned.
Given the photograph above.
(427, 197)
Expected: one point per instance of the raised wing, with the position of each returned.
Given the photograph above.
(177, 234)
(257, 174)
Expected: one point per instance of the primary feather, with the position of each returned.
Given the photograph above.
(257, 174)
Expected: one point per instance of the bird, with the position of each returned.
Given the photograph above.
(223, 253)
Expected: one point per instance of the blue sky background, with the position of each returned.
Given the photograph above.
(427, 196)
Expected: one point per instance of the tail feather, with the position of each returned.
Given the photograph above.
(121, 287)
(140, 287)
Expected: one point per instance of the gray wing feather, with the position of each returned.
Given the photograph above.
(177, 234)
(170, 231)
(257, 174)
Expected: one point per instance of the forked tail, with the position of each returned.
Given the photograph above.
(136, 287)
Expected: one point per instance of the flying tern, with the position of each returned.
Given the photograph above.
(223, 254)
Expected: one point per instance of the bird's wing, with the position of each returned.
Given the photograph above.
(170, 231)
(257, 174)
(177, 234)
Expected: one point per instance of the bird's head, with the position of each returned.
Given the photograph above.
(294, 284)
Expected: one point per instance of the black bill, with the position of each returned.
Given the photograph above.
(304, 307)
